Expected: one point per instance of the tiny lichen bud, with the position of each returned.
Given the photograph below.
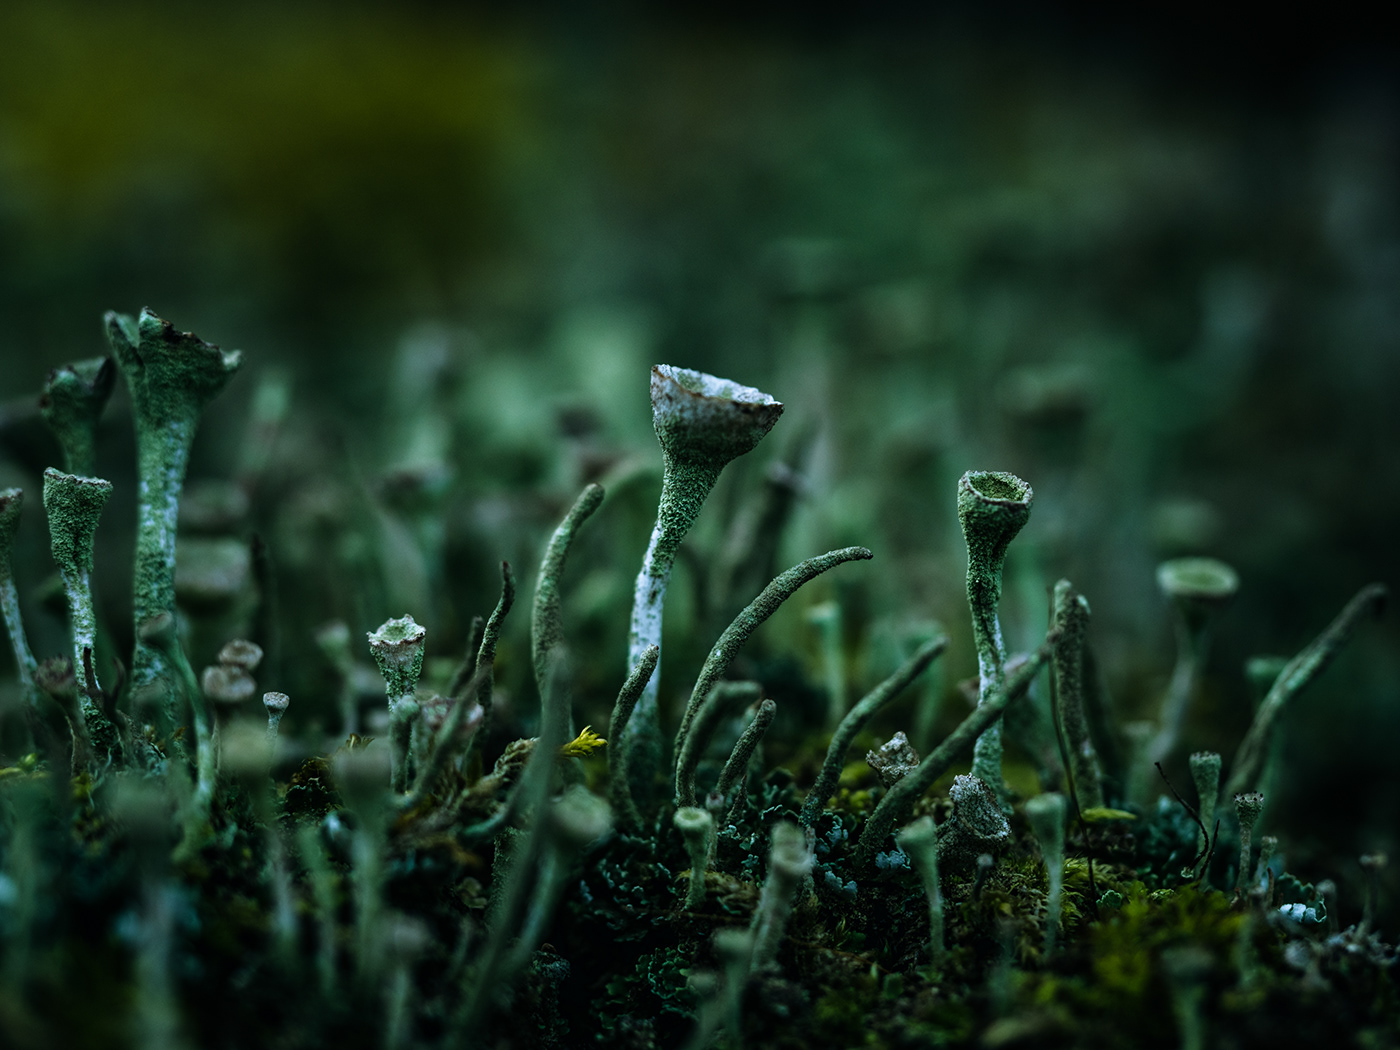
(1205, 771)
(1248, 806)
(276, 705)
(241, 653)
(398, 650)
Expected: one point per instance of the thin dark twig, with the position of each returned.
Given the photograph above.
(1205, 835)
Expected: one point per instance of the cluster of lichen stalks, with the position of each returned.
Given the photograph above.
(156, 758)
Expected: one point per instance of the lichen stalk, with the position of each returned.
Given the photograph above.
(1301, 670)
(397, 647)
(172, 375)
(737, 765)
(1046, 813)
(1248, 806)
(784, 586)
(546, 619)
(919, 839)
(857, 719)
(74, 505)
(1205, 771)
(620, 753)
(789, 862)
(697, 828)
(1071, 616)
(1197, 587)
(11, 502)
(702, 423)
(993, 506)
(724, 697)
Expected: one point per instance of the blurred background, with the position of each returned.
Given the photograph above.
(1146, 261)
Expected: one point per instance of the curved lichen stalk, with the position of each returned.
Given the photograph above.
(172, 375)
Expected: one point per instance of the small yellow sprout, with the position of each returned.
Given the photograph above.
(582, 745)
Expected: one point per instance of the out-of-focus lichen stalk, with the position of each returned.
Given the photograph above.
(789, 862)
(1046, 813)
(702, 422)
(1302, 669)
(1197, 588)
(827, 619)
(11, 502)
(546, 619)
(74, 505)
(993, 506)
(1071, 616)
(172, 375)
(398, 650)
(697, 828)
(1248, 806)
(360, 773)
(1188, 969)
(919, 839)
(857, 719)
(1205, 771)
(906, 791)
(619, 754)
(737, 767)
(485, 662)
(72, 401)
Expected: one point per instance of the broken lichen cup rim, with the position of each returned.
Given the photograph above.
(702, 416)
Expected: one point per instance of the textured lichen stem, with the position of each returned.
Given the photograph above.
(74, 506)
(172, 375)
(737, 767)
(765, 605)
(683, 491)
(486, 652)
(620, 753)
(1302, 669)
(905, 792)
(856, 719)
(546, 620)
(992, 508)
(1071, 616)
